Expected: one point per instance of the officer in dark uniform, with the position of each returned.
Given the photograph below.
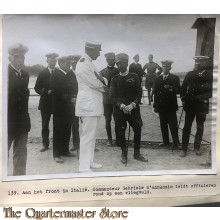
(109, 72)
(45, 103)
(18, 116)
(167, 86)
(137, 68)
(125, 94)
(62, 85)
(195, 93)
(151, 75)
(75, 121)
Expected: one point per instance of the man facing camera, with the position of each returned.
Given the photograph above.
(109, 72)
(18, 116)
(125, 94)
(45, 103)
(61, 83)
(195, 93)
(167, 86)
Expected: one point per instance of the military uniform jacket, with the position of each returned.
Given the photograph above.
(42, 87)
(63, 91)
(89, 100)
(18, 96)
(151, 68)
(108, 73)
(125, 90)
(136, 68)
(197, 89)
(165, 100)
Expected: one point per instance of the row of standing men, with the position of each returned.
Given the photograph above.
(79, 92)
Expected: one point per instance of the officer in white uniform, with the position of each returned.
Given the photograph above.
(89, 104)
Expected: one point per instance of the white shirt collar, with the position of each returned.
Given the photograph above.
(124, 74)
(165, 75)
(62, 70)
(50, 70)
(16, 69)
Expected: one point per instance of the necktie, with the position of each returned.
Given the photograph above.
(18, 73)
(164, 77)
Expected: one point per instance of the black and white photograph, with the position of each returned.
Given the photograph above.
(108, 95)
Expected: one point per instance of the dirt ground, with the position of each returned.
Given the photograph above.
(159, 158)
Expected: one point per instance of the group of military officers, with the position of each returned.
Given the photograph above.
(76, 90)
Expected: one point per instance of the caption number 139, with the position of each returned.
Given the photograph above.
(12, 193)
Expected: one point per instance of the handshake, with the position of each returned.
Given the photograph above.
(127, 108)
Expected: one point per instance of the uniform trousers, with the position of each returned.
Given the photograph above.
(189, 118)
(87, 141)
(108, 112)
(61, 134)
(135, 122)
(19, 153)
(45, 116)
(75, 129)
(169, 119)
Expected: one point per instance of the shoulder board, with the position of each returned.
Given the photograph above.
(82, 60)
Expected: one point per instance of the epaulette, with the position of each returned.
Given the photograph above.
(82, 60)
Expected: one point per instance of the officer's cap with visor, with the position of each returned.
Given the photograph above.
(136, 56)
(121, 57)
(64, 59)
(110, 55)
(52, 56)
(93, 45)
(17, 49)
(166, 63)
(75, 58)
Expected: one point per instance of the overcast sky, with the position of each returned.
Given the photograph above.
(165, 36)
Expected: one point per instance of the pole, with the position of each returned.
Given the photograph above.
(129, 129)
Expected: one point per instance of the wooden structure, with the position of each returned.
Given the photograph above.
(205, 37)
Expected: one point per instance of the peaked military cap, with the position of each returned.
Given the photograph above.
(64, 59)
(110, 55)
(75, 58)
(166, 62)
(201, 58)
(121, 57)
(137, 55)
(93, 45)
(52, 55)
(17, 49)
